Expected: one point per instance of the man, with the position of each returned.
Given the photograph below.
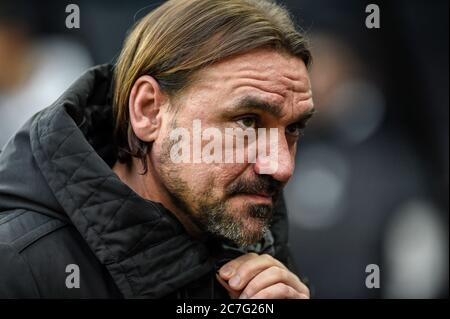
(95, 202)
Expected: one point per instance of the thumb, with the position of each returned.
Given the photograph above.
(234, 294)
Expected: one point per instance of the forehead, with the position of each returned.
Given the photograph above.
(267, 74)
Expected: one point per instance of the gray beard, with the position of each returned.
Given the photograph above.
(216, 220)
(212, 216)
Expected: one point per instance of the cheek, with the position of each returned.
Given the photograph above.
(228, 173)
(198, 176)
(213, 178)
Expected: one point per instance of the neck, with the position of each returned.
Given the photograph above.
(150, 187)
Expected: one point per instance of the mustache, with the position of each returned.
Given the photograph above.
(263, 184)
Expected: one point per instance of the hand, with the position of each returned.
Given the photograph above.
(260, 277)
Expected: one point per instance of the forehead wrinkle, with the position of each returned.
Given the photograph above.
(306, 107)
(267, 78)
(290, 110)
(275, 94)
(285, 70)
(281, 83)
(271, 97)
(276, 79)
(300, 85)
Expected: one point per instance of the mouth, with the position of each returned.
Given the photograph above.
(258, 198)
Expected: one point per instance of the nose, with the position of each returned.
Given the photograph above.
(277, 160)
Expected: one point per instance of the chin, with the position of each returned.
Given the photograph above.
(253, 229)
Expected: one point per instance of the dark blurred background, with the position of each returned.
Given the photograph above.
(371, 184)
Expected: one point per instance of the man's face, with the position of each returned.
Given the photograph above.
(261, 89)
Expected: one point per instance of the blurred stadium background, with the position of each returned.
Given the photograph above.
(371, 185)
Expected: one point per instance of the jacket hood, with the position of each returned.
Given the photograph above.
(59, 164)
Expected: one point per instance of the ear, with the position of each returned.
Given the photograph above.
(145, 103)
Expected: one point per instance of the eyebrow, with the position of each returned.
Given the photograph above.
(250, 103)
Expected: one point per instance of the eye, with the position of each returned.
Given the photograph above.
(247, 122)
(295, 129)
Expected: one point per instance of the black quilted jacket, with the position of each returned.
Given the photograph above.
(61, 204)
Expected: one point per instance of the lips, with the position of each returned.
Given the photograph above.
(263, 198)
(264, 186)
(264, 194)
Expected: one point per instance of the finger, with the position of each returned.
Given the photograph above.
(229, 269)
(279, 291)
(250, 268)
(233, 293)
(272, 276)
